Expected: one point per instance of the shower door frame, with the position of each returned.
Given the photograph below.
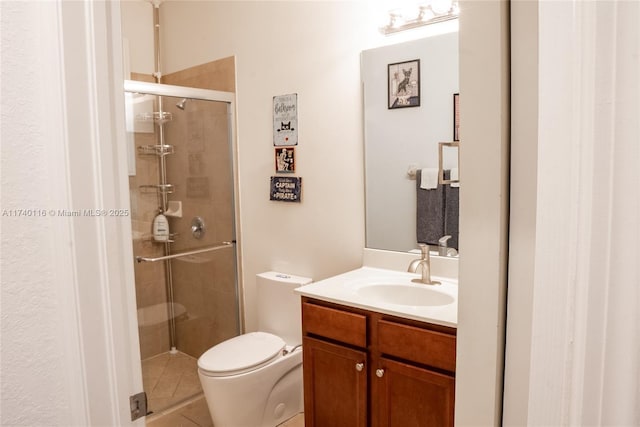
(161, 89)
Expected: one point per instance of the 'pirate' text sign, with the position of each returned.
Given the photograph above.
(286, 189)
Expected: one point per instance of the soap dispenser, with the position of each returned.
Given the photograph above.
(160, 228)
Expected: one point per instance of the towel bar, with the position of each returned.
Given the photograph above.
(183, 254)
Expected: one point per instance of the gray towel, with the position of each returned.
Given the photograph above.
(451, 212)
(429, 213)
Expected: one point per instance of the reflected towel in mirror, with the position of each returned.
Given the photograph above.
(455, 177)
(430, 211)
(437, 212)
(451, 210)
(428, 178)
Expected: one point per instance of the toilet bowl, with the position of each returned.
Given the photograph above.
(255, 379)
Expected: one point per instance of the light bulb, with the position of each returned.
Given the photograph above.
(440, 7)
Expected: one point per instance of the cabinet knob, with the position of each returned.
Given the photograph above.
(359, 366)
(379, 373)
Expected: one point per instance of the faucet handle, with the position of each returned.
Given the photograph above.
(443, 240)
(442, 245)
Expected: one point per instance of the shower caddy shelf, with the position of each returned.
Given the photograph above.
(156, 188)
(148, 238)
(159, 150)
(156, 150)
(157, 117)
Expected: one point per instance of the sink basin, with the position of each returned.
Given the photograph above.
(390, 292)
(401, 294)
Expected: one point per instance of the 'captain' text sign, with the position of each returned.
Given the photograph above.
(286, 188)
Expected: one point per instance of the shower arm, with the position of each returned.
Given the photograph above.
(140, 259)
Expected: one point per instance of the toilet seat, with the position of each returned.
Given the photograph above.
(241, 354)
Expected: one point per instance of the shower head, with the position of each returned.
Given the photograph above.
(182, 103)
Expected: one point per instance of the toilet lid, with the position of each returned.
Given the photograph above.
(241, 354)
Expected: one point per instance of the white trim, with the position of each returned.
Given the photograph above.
(522, 227)
(101, 120)
(96, 173)
(65, 257)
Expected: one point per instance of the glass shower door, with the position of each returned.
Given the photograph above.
(186, 279)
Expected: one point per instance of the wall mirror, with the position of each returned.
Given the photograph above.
(401, 141)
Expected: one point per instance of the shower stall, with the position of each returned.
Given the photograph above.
(183, 220)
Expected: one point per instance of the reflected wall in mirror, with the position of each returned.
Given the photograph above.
(398, 141)
(448, 160)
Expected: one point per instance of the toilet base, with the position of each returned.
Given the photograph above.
(286, 399)
(265, 397)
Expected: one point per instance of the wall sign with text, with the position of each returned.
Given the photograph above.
(285, 119)
(286, 188)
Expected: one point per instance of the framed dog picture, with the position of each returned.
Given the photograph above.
(404, 84)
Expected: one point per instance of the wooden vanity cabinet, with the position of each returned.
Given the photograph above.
(366, 369)
(335, 391)
(407, 395)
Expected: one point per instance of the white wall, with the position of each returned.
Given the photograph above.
(35, 313)
(138, 36)
(308, 48)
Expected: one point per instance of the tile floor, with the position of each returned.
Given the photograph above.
(174, 394)
(297, 421)
(195, 413)
(169, 379)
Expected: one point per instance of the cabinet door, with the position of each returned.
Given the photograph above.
(406, 395)
(335, 385)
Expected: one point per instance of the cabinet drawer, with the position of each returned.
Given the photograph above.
(417, 345)
(349, 328)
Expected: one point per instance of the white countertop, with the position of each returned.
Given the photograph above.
(346, 289)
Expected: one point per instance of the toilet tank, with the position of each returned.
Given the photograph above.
(279, 306)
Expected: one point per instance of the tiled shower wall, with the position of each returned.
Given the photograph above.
(200, 170)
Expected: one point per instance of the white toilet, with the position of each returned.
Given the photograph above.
(255, 379)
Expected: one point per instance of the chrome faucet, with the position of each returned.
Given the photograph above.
(442, 245)
(425, 262)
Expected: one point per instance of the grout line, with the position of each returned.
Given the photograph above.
(179, 370)
(191, 419)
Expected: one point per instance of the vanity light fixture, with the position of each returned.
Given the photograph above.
(424, 13)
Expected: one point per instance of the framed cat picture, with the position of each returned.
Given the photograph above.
(403, 84)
